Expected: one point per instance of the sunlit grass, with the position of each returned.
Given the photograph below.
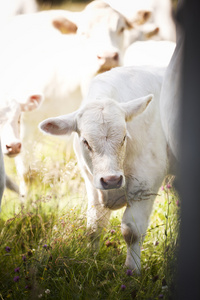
(47, 254)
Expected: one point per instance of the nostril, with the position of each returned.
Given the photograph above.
(116, 56)
(120, 181)
(9, 148)
(18, 146)
(104, 183)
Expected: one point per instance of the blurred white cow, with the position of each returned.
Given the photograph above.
(11, 8)
(149, 53)
(161, 16)
(121, 149)
(36, 56)
(10, 112)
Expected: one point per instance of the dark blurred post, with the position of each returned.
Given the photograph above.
(189, 253)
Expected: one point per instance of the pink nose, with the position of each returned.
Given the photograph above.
(14, 148)
(111, 182)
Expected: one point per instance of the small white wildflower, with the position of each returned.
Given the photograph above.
(55, 228)
(40, 296)
(47, 291)
(165, 287)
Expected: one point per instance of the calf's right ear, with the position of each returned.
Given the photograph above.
(62, 125)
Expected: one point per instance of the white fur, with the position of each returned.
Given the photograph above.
(149, 53)
(11, 8)
(119, 133)
(170, 99)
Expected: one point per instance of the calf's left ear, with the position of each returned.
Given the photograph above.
(62, 125)
(135, 107)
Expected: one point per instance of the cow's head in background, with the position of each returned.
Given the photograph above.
(103, 27)
(102, 136)
(10, 139)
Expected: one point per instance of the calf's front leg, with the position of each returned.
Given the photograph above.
(134, 225)
(97, 215)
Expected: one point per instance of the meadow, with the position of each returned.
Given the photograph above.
(45, 252)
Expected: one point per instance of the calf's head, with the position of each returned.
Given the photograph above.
(11, 144)
(101, 128)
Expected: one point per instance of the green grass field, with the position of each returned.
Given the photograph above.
(44, 252)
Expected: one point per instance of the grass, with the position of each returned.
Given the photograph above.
(44, 251)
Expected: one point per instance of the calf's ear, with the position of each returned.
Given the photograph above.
(32, 102)
(62, 125)
(64, 25)
(135, 107)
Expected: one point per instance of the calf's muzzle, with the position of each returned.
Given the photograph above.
(13, 149)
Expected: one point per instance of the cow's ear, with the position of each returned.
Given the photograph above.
(135, 107)
(64, 25)
(142, 17)
(62, 125)
(32, 102)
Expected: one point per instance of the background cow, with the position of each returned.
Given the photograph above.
(121, 149)
(11, 8)
(160, 18)
(36, 56)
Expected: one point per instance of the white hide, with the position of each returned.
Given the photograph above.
(11, 8)
(170, 98)
(161, 16)
(149, 53)
(121, 150)
(35, 56)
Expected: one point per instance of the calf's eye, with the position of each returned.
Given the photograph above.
(85, 142)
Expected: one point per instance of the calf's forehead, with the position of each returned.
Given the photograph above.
(104, 120)
(97, 18)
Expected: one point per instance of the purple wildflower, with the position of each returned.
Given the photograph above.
(24, 258)
(129, 272)
(27, 287)
(112, 231)
(16, 278)
(177, 203)
(160, 296)
(17, 270)
(8, 249)
(123, 287)
(45, 246)
(168, 186)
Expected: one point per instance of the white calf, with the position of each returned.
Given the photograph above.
(121, 149)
